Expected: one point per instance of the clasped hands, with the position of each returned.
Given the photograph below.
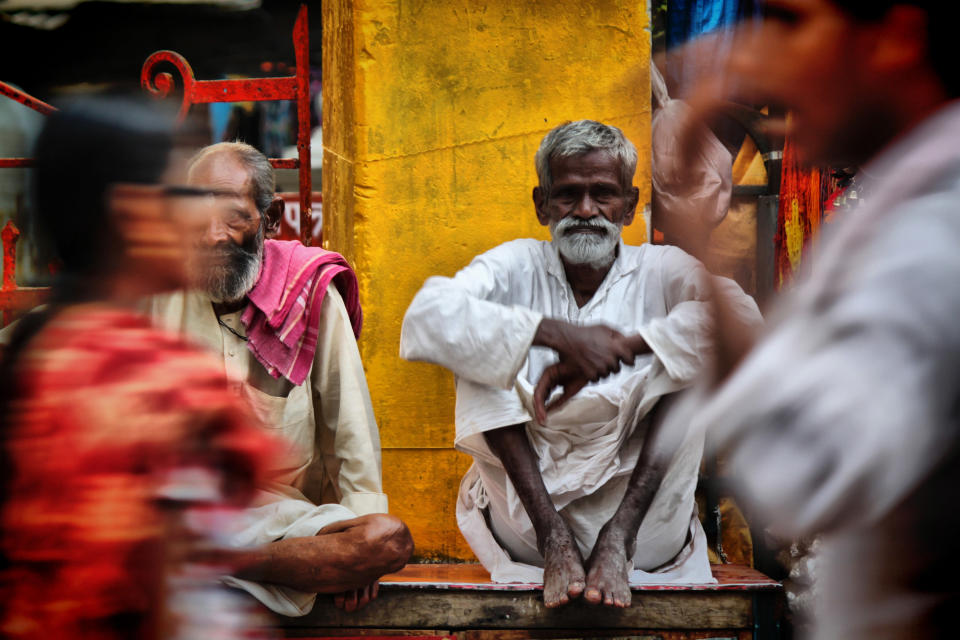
(588, 353)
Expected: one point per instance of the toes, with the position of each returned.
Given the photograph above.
(593, 595)
(553, 602)
(575, 588)
(554, 597)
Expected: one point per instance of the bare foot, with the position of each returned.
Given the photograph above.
(563, 575)
(607, 580)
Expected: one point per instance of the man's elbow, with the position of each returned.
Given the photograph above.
(388, 538)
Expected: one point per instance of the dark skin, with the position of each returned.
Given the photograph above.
(583, 186)
(346, 558)
(885, 90)
(237, 218)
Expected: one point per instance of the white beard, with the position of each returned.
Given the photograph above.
(593, 250)
(232, 273)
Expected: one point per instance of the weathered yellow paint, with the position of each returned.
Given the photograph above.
(432, 114)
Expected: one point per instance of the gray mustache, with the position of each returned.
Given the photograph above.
(589, 225)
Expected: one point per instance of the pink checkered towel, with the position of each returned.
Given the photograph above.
(283, 317)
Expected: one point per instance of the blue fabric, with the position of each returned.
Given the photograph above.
(688, 19)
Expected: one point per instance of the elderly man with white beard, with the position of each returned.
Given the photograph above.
(284, 319)
(591, 480)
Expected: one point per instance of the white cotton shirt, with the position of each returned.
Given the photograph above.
(332, 444)
(327, 423)
(480, 324)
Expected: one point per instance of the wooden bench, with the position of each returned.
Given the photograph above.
(459, 600)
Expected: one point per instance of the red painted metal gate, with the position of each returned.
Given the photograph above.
(15, 299)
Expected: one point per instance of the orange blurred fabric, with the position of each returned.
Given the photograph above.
(798, 218)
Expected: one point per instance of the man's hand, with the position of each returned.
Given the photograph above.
(356, 599)
(561, 374)
(595, 350)
(569, 375)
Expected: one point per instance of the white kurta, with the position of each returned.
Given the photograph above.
(845, 415)
(480, 324)
(332, 442)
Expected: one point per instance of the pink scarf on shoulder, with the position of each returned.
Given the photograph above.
(283, 317)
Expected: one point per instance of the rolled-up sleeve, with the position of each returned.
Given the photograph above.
(466, 323)
(683, 338)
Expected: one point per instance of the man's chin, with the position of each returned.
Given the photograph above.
(594, 260)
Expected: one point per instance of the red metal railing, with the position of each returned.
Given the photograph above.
(160, 83)
(12, 297)
(27, 100)
(295, 87)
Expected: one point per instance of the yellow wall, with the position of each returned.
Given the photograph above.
(432, 114)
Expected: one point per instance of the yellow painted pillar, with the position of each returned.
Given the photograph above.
(432, 113)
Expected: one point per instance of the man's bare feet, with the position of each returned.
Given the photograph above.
(563, 575)
(609, 566)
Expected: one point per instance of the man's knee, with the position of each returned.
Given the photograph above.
(387, 536)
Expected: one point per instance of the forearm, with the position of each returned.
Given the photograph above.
(637, 344)
(550, 333)
(511, 446)
(293, 563)
(314, 564)
(733, 335)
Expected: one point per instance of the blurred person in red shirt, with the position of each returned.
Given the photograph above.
(124, 453)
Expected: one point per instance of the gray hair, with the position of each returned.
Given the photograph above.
(580, 137)
(262, 179)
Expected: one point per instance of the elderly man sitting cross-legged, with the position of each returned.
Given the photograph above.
(592, 479)
(284, 317)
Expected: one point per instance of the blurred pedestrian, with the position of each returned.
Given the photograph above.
(842, 419)
(123, 451)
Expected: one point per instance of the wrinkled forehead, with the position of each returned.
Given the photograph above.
(223, 172)
(596, 164)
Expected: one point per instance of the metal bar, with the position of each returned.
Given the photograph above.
(9, 235)
(301, 46)
(159, 84)
(245, 89)
(26, 99)
(750, 190)
(12, 163)
(285, 163)
(767, 207)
